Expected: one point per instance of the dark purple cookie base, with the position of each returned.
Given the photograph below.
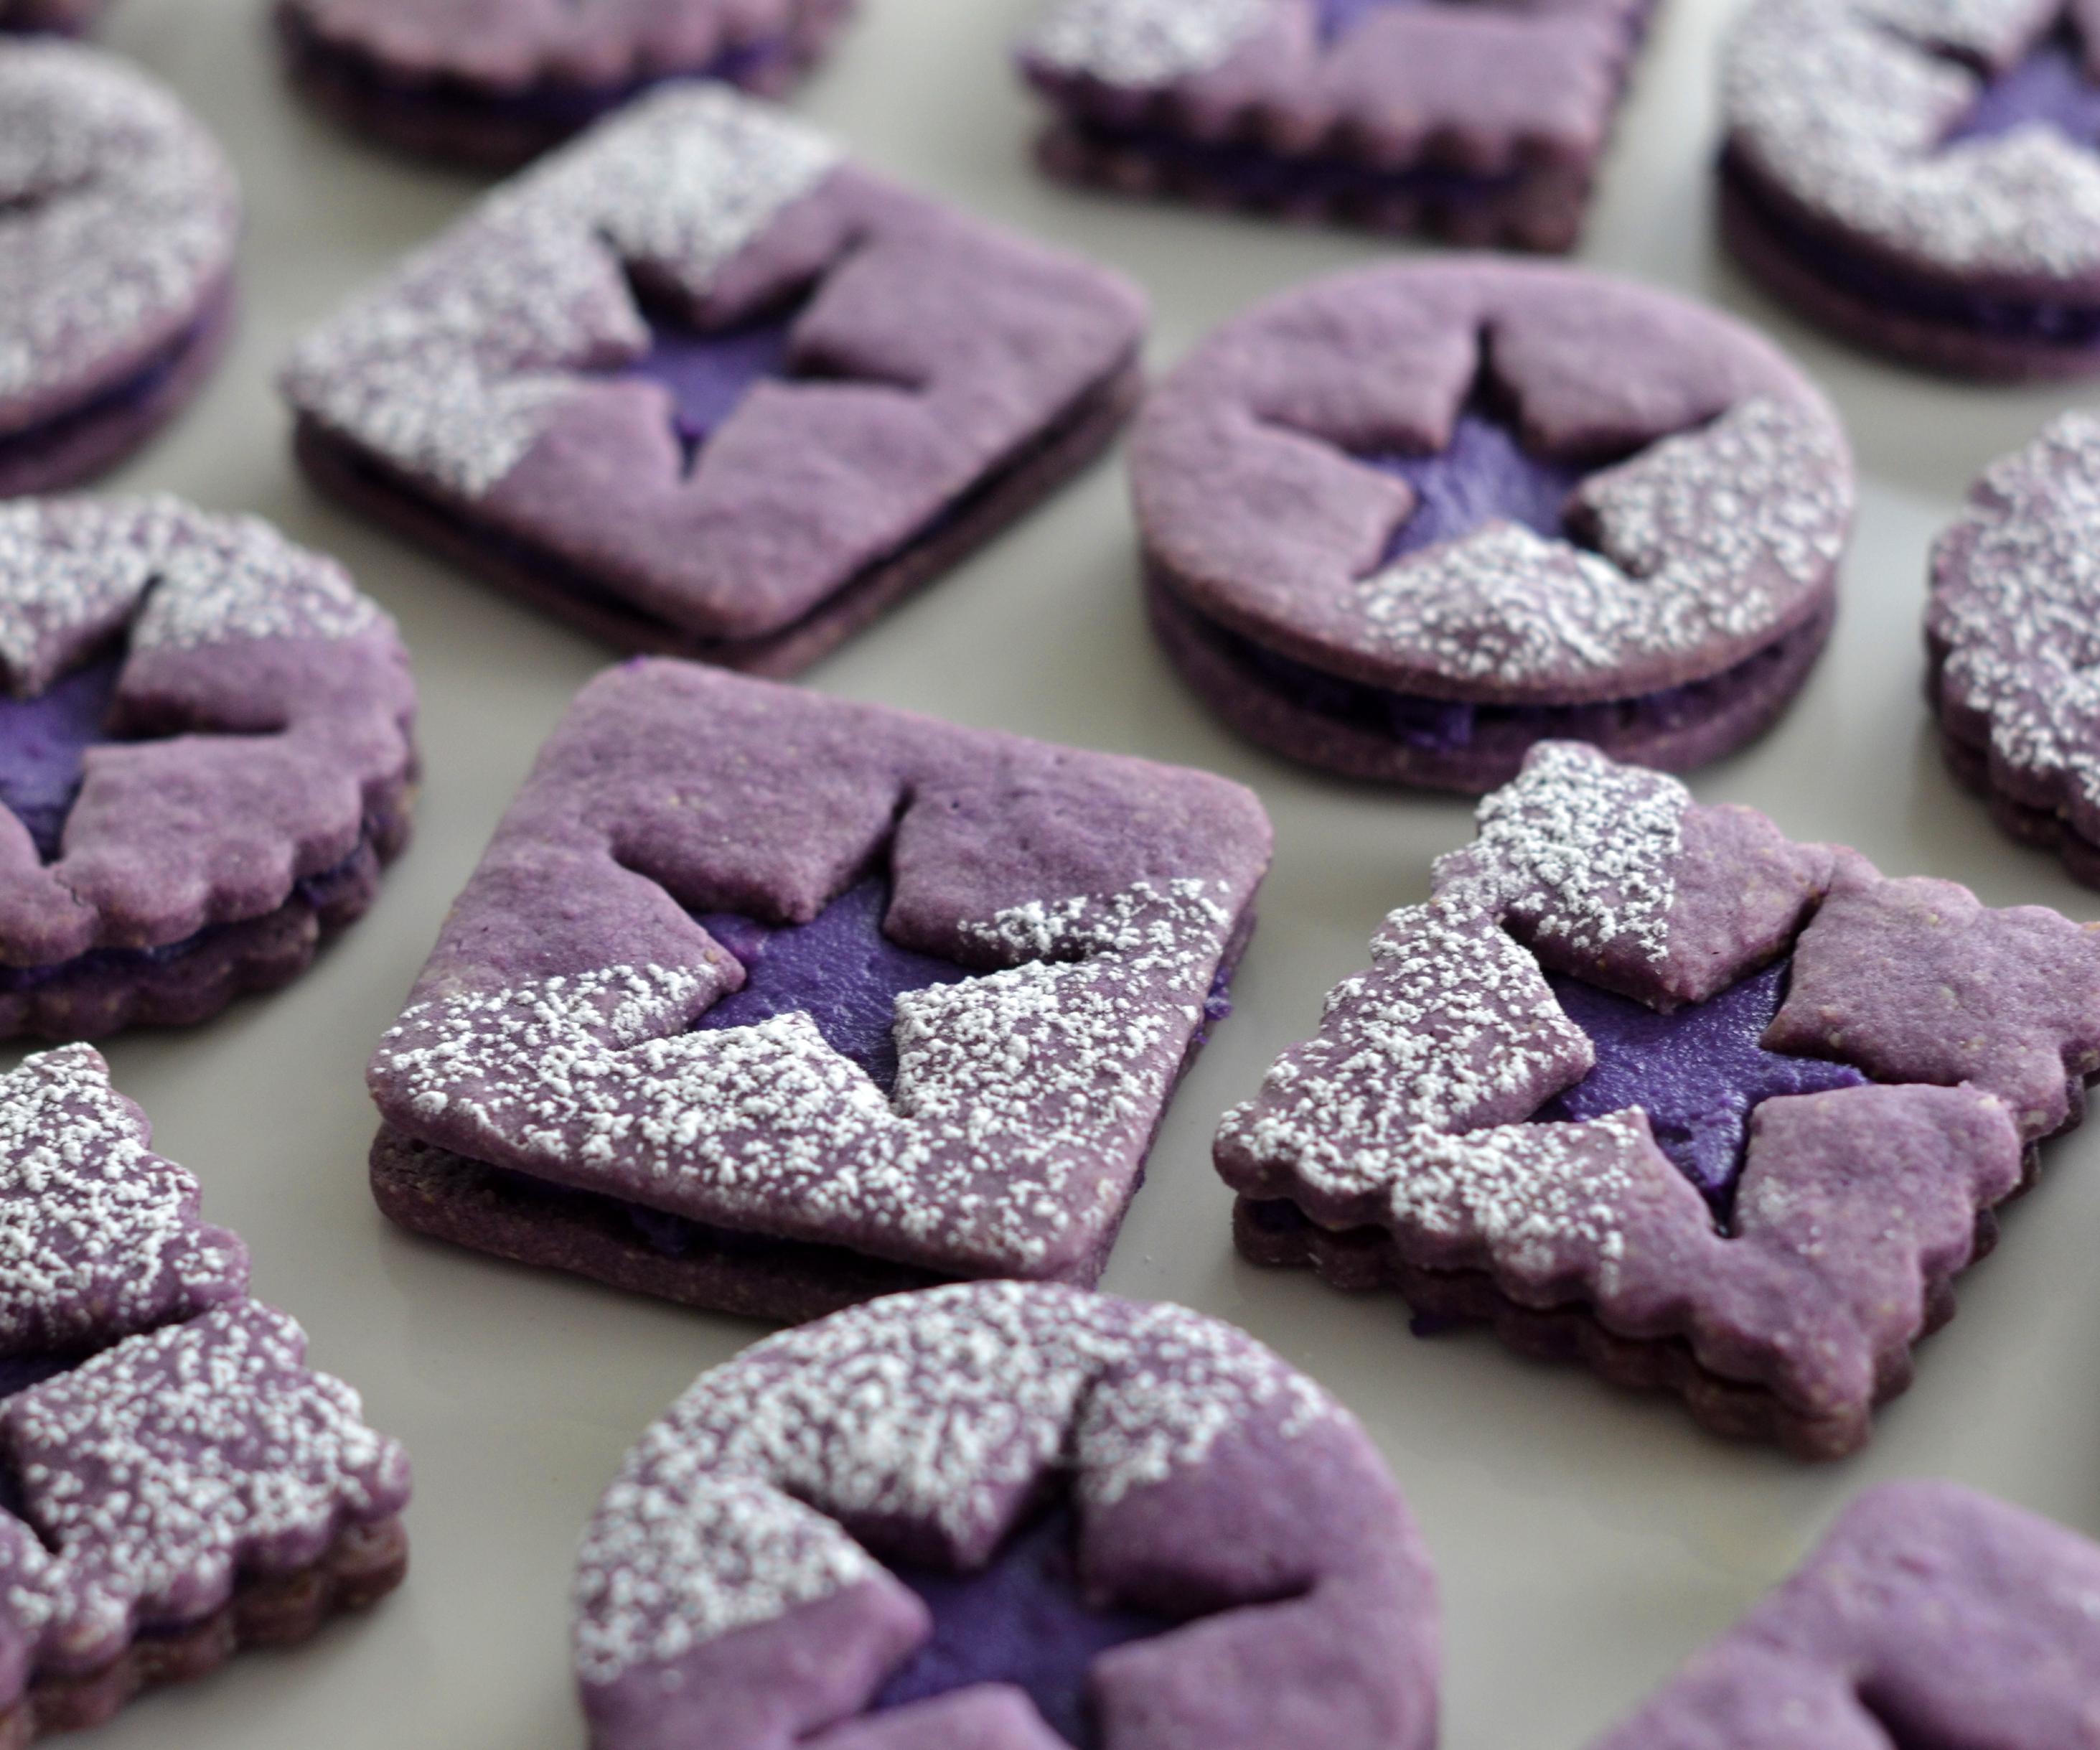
(1075, 439)
(453, 119)
(114, 423)
(1766, 248)
(1364, 1260)
(1708, 719)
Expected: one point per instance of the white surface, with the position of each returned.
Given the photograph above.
(1588, 1541)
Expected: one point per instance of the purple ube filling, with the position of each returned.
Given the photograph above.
(43, 749)
(1021, 1620)
(709, 374)
(129, 392)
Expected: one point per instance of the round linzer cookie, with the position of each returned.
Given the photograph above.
(763, 1001)
(204, 760)
(1921, 176)
(1646, 1084)
(1483, 124)
(176, 1483)
(1133, 1528)
(1405, 524)
(1929, 1616)
(2013, 632)
(496, 82)
(119, 219)
(700, 386)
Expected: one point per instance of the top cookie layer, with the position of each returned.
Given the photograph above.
(276, 697)
(1705, 546)
(1844, 107)
(118, 223)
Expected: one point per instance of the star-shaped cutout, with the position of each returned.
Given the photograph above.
(43, 747)
(709, 373)
(2050, 87)
(1482, 475)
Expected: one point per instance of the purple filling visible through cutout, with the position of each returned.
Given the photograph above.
(1021, 1620)
(43, 749)
(709, 373)
(1482, 474)
(2050, 87)
(1698, 1072)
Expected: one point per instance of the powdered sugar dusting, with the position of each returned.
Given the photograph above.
(1704, 539)
(2016, 603)
(99, 1238)
(1843, 106)
(716, 1521)
(453, 369)
(1577, 849)
(1012, 1088)
(1141, 43)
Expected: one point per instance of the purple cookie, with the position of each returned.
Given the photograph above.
(766, 1002)
(1483, 123)
(1405, 524)
(176, 1483)
(2014, 636)
(1929, 1616)
(1923, 176)
(204, 761)
(1647, 1084)
(495, 81)
(119, 219)
(1002, 1516)
(700, 386)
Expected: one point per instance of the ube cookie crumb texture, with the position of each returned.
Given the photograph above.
(176, 1483)
(1405, 524)
(1138, 1529)
(701, 387)
(1646, 1084)
(1920, 176)
(1483, 123)
(2013, 634)
(1929, 1616)
(119, 219)
(764, 1002)
(496, 82)
(204, 761)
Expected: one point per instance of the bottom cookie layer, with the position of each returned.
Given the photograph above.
(1002, 498)
(362, 1566)
(1347, 726)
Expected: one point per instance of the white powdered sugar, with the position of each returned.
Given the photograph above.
(937, 1410)
(2016, 603)
(1705, 539)
(1143, 42)
(118, 216)
(1578, 849)
(451, 370)
(98, 1237)
(74, 571)
(1845, 106)
(1022, 1098)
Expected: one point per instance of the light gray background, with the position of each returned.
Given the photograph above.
(1588, 1541)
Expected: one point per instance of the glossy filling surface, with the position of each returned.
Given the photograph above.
(1022, 1620)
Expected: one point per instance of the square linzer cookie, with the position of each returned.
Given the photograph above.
(1646, 1084)
(176, 1483)
(1131, 1528)
(1929, 1616)
(1483, 123)
(770, 1003)
(206, 760)
(701, 387)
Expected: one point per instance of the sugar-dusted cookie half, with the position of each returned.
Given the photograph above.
(1135, 1529)
(495, 81)
(1646, 1085)
(2013, 633)
(1483, 123)
(764, 1002)
(1922, 177)
(1929, 1616)
(699, 385)
(205, 759)
(119, 218)
(176, 1483)
(1404, 523)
